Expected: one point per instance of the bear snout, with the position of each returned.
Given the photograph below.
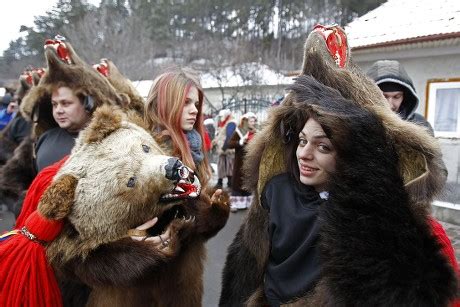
(176, 170)
(187, 185)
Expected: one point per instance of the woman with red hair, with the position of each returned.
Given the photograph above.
(173, 112)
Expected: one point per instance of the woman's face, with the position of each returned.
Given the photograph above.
(252, 123)
(190, 111)
(315, 156)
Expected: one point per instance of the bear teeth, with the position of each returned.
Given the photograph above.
(179, 189)
(190, 219)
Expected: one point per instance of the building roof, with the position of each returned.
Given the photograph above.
(246, 74)
(405, 21)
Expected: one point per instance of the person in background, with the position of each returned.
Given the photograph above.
(278, 100)
(225, 128)
(211, 132)
(72, 116)
(241, 199)
(174, 114)
(8, 113)
(7, 97)
(210, 127)
(19, 127)
(398, 88)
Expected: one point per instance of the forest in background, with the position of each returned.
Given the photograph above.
(142, 36)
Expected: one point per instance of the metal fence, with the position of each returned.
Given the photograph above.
(241, 106)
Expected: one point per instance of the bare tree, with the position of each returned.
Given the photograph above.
(107, 34)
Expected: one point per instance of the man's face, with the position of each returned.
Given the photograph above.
(394, 99)
(12, 107)
(68, 111)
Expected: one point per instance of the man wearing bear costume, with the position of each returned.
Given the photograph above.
(90, 256)
(72, 116)
(18, 171)
(92, 244)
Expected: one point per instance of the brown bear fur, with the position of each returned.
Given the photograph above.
(98, 208)
(35, 92)
(17, 171)
(124, 87)
(36, 107)
(7, 145)
(78, 76)
(420, 155)
(420, 168)
(16, 176)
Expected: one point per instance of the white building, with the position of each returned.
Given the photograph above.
(250, 82)
(424, 35)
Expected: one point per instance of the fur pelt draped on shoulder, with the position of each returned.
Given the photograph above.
(124, 87)
(369, 220)
(376, 247)
(420, 157)
(77, 75)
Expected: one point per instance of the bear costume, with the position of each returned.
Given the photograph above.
(377, 244)
(116, 178)
(123, 86)
(18, 171)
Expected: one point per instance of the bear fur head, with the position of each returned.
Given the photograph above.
(115, 179)
(124, 87)
(27, 79)
(420, 158)
(65, 68)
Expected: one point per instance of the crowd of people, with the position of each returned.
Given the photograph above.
(332, 217)
(230, 145)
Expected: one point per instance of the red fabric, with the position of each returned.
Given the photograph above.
(207, 142)
(446, 248)
(26, 278)
(222, 123)
(251, 135)
(35, 191)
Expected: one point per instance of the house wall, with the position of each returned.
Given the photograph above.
(422, 64)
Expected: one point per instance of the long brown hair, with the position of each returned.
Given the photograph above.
(163, 111)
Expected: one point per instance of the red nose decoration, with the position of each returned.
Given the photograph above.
(102, 68)
(40, 71)
(61, 49)
(27, 75)
(336, 42)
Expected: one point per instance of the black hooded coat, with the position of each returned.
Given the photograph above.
(388, 73)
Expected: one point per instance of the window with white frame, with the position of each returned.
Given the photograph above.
(444, 107)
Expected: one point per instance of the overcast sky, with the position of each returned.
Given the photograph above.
(21, 12)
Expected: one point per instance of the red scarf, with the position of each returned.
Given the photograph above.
(221, 124)
(250, 135)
